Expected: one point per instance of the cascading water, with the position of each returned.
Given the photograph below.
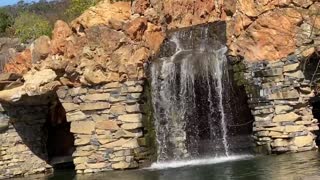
(190, 94)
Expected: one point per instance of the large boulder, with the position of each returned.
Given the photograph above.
(36, 83)
(61, 33)
(19, 64)
(40, 48)
(105, 13)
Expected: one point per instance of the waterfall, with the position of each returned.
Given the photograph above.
(188, 95)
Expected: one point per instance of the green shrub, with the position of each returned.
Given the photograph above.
(29, 26)
(5, 21)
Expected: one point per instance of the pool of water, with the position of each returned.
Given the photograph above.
(299, 166)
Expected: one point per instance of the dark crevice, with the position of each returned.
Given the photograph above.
(60, 142)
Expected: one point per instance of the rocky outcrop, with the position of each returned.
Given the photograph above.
(97, 68)
(274, 31)
(112, 15)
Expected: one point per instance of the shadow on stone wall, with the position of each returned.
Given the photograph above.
(37, 134)
(312, 74)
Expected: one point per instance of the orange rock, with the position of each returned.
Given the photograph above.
(135, 28)
(102, 13)
(238, 24)
(183, 13)
(139, 56)
(20, 64)
(229, 7)
(154, 37)
(140, 6)
(253, 8)
(270, 37)
(61, 32)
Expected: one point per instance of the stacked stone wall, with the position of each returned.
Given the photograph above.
(23, 141)
(107, 123)
(279, 96)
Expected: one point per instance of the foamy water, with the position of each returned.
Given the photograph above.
(197, 162)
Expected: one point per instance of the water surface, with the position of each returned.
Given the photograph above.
(299, 166)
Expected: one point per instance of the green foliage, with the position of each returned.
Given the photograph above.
(29, 26)
(77, 7)
(5, 21)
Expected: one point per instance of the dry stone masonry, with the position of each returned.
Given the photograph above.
(97, 68)
(107, 122)
(23, 148)
(279, 96)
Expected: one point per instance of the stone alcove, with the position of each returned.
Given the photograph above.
(35, 139)
(311, 72)
(279, 95)
(60, 141)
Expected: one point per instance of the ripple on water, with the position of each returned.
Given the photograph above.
(197, 162)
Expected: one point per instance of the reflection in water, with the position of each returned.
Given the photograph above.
(300, 166)
(197, 162)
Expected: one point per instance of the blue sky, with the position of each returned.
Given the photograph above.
(10, 2)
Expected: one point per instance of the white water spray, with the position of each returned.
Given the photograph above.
(197, 162)
(187, 95)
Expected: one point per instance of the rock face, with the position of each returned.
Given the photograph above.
(97, 68)
(265, 36)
